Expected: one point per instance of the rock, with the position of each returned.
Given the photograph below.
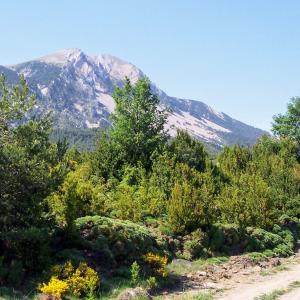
(256, 268)
(201, 273)
(195, 286)
(247, 272)
(131, 294)
(45, 296)
(276, 261)
(181, 262)
(227, 275)
(211, 285)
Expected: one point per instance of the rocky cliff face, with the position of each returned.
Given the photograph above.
(77, 88)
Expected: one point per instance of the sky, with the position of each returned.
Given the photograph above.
(241, 57)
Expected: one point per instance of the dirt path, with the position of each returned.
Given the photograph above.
(293, 295)
(239, 279)
(258, 285)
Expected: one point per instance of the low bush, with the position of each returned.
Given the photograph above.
(15, 274)
(260, 239)
(151, 282)
(195, 245)
(73, 255)
(29, 246)
(156, 264)
(281, 243)
(120, 241)
(135, 273)
(55, 287)
(224, 237)
(80, 281)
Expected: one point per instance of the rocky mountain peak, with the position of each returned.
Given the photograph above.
(78, 89)
(63, 57)
(118, 69)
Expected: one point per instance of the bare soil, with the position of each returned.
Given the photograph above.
(239, 279)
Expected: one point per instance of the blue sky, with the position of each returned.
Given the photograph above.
(241, 57)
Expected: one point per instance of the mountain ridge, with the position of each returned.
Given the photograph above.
(78, 89)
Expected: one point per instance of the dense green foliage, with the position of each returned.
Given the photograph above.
(139, 192)
(83, 139)
(288, 125)
(118, 241)
(137, 134)
(30, 166)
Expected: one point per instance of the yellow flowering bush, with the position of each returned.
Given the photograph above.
(83, 280)
(54, 287)
(80, 281)
(157, 263)
(63, 271)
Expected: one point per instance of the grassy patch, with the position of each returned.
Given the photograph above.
(272, 296)
(266, 272)
(196, 265)
(294, 285)
(274, 270)
(112, 288)
(281, 268)
(277, 293)
(12, 294)
(200, 296)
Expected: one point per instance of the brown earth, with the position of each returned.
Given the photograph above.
(239, 279)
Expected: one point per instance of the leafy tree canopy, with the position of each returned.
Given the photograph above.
(138, 123)
(288, 125)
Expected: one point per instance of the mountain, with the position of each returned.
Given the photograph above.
(77, 88)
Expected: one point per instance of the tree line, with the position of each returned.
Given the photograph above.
(137, 172)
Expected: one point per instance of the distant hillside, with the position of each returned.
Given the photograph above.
(77, 88)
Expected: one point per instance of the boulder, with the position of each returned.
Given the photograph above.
(201, 273)
(181, 262)
(134, 293)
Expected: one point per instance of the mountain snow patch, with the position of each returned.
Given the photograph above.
(91, 125)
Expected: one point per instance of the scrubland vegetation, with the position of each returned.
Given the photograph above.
(81, 225)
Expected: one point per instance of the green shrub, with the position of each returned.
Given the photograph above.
(286, 234)
(269, 253)
(283, 250)
(261, 239)
(195, 245)
(281, 243)
(135, 273)
(30, 246)
(151, 282)
(257, 256)
(122, 271)
(123, 241)
(15, 274)
(229, 238)
(73, 255)
(224, 237)
(3, 271)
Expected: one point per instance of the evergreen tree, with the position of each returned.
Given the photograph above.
(189, 151)
(191, 204)
(234, 160)
(138, 124)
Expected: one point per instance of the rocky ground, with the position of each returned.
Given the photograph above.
(240, 278)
